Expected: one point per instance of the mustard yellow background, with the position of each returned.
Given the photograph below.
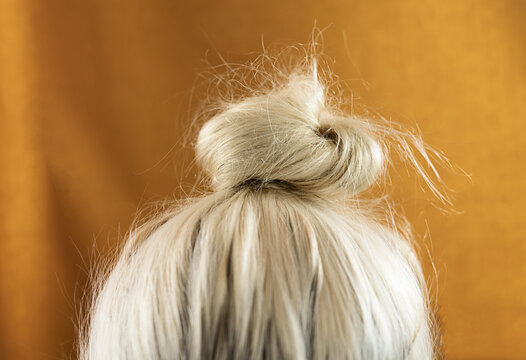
(93, 110)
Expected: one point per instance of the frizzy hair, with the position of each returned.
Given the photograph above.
(284, 257)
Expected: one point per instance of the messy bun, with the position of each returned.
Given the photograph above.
(289, 136)
(269, 265)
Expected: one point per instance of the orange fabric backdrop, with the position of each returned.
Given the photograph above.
(93, 101)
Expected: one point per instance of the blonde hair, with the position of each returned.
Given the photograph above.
(282, 259)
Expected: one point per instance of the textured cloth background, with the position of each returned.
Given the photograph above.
(93, 109)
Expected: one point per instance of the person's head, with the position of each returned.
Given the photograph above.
(284, 258)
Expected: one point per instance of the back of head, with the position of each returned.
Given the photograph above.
(282, 259)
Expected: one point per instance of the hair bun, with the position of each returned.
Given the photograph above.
(289, 135)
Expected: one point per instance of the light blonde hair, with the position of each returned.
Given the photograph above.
(284, 258)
